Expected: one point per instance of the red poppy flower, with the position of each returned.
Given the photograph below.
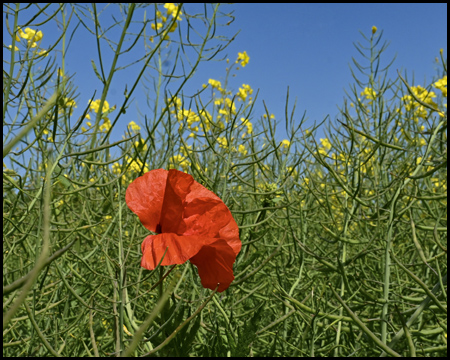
(191, 221)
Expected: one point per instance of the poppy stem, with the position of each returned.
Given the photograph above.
(160, 282)
(161, 292)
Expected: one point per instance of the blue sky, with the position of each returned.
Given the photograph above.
(307, 47)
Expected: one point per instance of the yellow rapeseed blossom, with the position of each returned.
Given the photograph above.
(249, 126)
(172, 9)
(173, 27)
(419, 111)
(178, 160)
(69, 102)
(229, 106)
(206, 117)
(242, 149)
(294, 172)
(175, 102)
(285, 144)
(116, 168)
(369, 93)
(215, 84)
(441, 84)
(31, 35)
(223, 142)
(94, 105)
(243, 57)
(15, 47)
(106, 125)
(186, 150)
(66, 103)
(156, 26)
(326, 143)
(136, 165)
(141, 144)
(244, 91)
(133, 126)
(374, 29)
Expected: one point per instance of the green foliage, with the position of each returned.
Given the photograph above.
(344, 237)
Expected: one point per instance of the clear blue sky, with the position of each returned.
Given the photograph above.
(307, 47)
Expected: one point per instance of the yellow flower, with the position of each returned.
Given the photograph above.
(15, 47)
(172, 9)
(134, 127)
(69, 102)
(141, 144)
(244, 57)
(106, 125)
(156, 26)
(136, 165)
(441, 84)
(249, 126)
(191, 118)
(223, 142)
(66, 103)
(215, 84)
(116, 168)
(178, 160)
(294, 172)
(369, 93)
(326, 143)
(176, 102)
(206, 116)
(31, 35)
(244, 91)
(94, 105)
(186, 150)
(374, 29)
(173, 27)
(285, 144)
(229, 106)
(242, 149)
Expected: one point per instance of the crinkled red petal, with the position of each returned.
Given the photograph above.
(178, 185)
(179, 249)
(145, 196)
(215, 265)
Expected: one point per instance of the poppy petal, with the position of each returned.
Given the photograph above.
(177, 187)
(179, 249)
(210, 217)
(145, 196)
(215, 265)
